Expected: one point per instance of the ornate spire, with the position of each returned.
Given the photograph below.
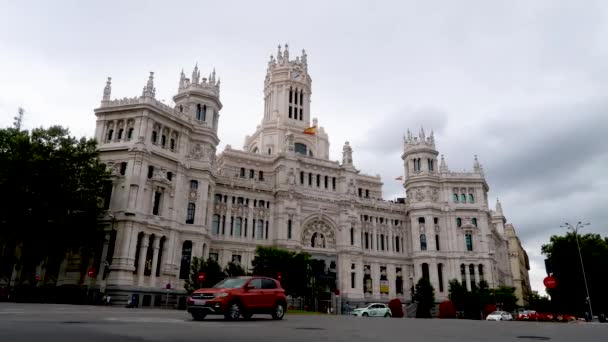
(443, 167)
(347, 155)
(212, 77)
(279, 55)
(107, 91)
(304, 58)
(422, 135)
(182, 81)
(196, 75)
(286, 53)
(149, 90)
(498, 208)
(477, 166)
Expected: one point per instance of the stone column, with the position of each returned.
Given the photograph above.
(155, 247)
(467, 277)
(476, 271)
(143, 251)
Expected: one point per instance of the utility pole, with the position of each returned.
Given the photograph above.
(575, 230)
(19, 118)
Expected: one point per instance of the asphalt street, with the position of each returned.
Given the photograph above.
(50, 323)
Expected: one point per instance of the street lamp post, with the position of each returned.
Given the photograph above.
(575, 230)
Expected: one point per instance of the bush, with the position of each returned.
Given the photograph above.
(447, 309)
(396, 308)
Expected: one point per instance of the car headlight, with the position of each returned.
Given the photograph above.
(221, 294)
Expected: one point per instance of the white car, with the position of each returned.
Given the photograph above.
(499, 316)
(373, 310)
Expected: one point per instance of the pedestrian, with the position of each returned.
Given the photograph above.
(108, 300)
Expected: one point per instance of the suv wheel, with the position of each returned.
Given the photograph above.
(234, 311)
(279, 311)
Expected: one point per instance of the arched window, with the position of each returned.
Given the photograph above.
(425, 271)
(471, 198)
(163, 140)
(193, 185)
(255, 150)
(422, 242)
(110, 135)
(472, 275)
(123, 168)
(440, 276)
(120, 133)
(172, 144)
(463, 198)
(251, 173)
(480, 271)
(130, 134)
(259, 231)
(458, 222)
(181, 108)
(455, 198)
(326, 179)
(170, 175)
(301, 149)
(215, 225)
(140, 237)
(190, 213)
(204, 114)
(154, 137)
(463, 275)
(199, 112)
(184, 270)
(469, 242)
(421, 220)
(242, 174)
(397, 243)
(301, 177)
(474, 221)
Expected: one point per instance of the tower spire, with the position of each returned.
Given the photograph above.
(195, 74)
(286, 53)
(499, 207)
(107, 91)
(149, 90)
(443, 166)
(182, 81)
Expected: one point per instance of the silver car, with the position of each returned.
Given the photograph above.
(373, 310)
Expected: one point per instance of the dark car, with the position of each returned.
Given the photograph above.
(239, 296)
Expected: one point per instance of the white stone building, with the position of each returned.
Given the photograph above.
(174, 198)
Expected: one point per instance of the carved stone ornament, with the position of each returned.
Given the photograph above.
(422, 229)
(419, 195)
(197, 151)
(192, 195)
(318, 234)
(435, 195)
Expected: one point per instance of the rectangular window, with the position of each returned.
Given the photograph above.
(172, 144)
(163, 140)
(251, 174)
(215, 225)
(437, 242)
(223, 225)
(242, 174)
(237, 226)
(366, 240)
(353, 282)
(261, 175)
(169, 175)
(190, 213)
(469, 241)
(301, 177)
(150, 171)
(326, 181)
(333, 183)
(290, 111)
(352, 236)
(310, 179)
(260, 230)
(397, 243)
(266, 230)
(318, 180)
(123, 168)
(399, 281)
(231, 225)
(366, 193)
(245, 234)
(156, 207)
(289, 229)
(382, 242)
(359, 191)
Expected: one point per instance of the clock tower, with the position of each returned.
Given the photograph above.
(287, 90)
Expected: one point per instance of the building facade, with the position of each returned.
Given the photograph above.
(520, 265)
(174, 197)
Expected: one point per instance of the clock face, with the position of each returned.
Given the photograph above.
(295, 76)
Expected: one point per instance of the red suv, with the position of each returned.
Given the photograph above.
(240, 296)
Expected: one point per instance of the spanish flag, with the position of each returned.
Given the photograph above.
(399, 178)
(311, 130)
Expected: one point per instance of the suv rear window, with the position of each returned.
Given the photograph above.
(268, 284)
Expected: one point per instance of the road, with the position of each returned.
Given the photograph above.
(50, 323)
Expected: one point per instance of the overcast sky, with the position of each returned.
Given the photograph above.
(522, 84)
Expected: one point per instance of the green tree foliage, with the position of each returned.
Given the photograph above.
(473, 302)
(570, 296)
(55, 183)
(539, 303)
(212, 270)
(457, 294)
(234, 270)
(295, 268)
(424, 298)
(505, 298)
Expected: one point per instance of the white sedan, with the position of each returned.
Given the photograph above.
(499, 316)
(373, 310)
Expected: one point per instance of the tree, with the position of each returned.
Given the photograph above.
(424, 298)
(295, 268)
(211, 269)
(234, 270)
(457, 294)
(569, 296)
(56, 182)
(539, 303)
(505, 298)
